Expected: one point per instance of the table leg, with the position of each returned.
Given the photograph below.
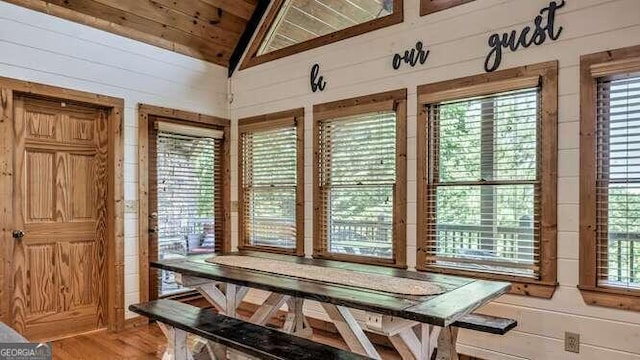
(429, 340)
(407, 344)
(231, 303)
(241, 293)
(214, 295)
(177, 348)
(447, 344)
(416, 342)
(350, 330)
(273, 303)
(295, 322)
(216, 351)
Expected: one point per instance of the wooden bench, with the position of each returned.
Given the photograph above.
(486, 323)
(395, 329)
(177, 319)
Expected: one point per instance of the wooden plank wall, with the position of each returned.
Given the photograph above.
(45, 49)
(457, 38)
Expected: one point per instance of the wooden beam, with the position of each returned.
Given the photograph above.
(247, 34)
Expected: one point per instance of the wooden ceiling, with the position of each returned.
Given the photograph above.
(204, 29)
(302, 20)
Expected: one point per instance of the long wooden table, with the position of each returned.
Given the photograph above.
(415, 325)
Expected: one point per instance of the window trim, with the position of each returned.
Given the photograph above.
(390, 100)
(610, 63)
(252, 58)
(485, 84)
(267, 122)
(431, 6)
(181, 117)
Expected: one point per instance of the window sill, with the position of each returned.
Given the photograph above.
(367, 260)
(622, 299)
(272, 249)
(519, 285)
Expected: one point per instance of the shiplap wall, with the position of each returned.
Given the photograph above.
(457, 39)
(44, 49)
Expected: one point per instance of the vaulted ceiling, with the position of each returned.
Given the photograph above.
(205, 29)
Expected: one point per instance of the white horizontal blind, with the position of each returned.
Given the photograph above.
(357, 183)
(483, 203)
(618, 182)
(269, 180)
(189, 200)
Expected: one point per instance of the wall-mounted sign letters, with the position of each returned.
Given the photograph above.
(526, 38)
(317, 80)
(411, 57)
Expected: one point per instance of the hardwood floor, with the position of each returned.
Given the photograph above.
(148, 342)
(143, 342)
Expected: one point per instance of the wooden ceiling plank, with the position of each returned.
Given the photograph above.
(294, 32)
(240, 8)
(322, 13)
(154, 11)
(301, 19)
(352, 11)
(281, 41)
(372, 7)
(116, 21)
(204, 12)
(194, 8)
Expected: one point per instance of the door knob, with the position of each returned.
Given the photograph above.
(18, 234)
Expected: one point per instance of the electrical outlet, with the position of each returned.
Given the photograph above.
(572, 342)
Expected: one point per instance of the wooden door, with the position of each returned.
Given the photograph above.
(59, 195)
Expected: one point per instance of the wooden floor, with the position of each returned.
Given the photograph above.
(144, 342)
(147, 342)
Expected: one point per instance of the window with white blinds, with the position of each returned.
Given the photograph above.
(618, 182)
(357, 184)
(188, 185)
(483, 187)
(269, 186)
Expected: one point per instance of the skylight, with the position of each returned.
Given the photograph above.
(302, 20)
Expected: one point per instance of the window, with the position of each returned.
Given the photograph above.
(184, 191)
(360, 179)
(271, 189)
(610, 178)
(293, 26)
(487, 201)
(431, 6)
